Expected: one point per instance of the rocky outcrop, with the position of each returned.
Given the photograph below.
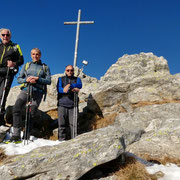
(70, 159)
(137, 78)
(137, 93)
(161, 123)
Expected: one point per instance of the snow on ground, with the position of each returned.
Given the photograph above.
(171, 171)
(25, 147)
(14, 149)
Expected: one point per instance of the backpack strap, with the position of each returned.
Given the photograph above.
(26, 67)
(25, 72)
(45, 86)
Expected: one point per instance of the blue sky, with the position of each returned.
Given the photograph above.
(121, 27)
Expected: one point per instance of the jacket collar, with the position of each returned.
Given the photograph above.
(10, 43)
(37, 62)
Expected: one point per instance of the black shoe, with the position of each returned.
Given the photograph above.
(15, 139)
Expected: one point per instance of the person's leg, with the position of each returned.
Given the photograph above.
(62, 116)
(3, 95)
(17, 109)
(71, 121)
(36, 100)
(2, 121)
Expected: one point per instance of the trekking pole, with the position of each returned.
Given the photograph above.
(4, 89)
(75, 115)
(28, 113)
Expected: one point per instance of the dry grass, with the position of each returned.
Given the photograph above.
(100, 122)
(160, 159)
(53, 113)
(131, 170)
(2, 156)
(146, 103)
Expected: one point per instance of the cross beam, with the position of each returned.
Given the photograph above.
(78, 22)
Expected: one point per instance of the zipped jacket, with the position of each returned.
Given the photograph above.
(35, 69)
(10, 51)
(67, 99)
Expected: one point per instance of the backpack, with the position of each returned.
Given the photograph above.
(44, 86)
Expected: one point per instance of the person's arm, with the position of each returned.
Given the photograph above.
(22, 76)
(19, 55)
(46, 79)
(3, 70)
(78, 84)
(59, 86)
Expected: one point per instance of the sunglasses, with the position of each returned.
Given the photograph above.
(70, 70)
(5, 35)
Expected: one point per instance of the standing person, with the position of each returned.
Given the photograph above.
(10, 59)
(67, 86)
(37, 75)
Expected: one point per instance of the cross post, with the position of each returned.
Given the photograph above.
(78, 22)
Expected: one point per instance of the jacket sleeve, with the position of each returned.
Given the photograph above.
(78, 84)
(59, 86)
(19, 56)
(47, 78)
(22, 76)
(3, 71)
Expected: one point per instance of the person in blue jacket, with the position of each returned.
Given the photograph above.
(67, 86)
(38, 75)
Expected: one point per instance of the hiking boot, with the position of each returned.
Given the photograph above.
(15, 139)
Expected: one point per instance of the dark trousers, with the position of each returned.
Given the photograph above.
(8, 86)
(65, 123)
(17, 109)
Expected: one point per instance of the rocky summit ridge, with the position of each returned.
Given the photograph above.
(137, 101)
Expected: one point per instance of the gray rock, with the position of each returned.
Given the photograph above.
(162, 131)
(130, 67)
(177, 75)
(70, 159)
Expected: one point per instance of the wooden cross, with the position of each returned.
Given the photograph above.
(78, 22)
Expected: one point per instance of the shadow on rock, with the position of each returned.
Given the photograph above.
(126, 166)
(42, 122)
(89, 115)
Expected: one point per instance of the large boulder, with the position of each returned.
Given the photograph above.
(161, 123)
(70, 159)
(137, 78)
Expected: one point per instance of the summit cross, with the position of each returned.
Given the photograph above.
(78, 22)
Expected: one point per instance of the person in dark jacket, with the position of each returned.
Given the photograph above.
(67, 86)
(10, 59)
(37, 75)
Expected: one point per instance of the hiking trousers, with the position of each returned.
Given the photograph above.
(65, 123)
(17, 109)
(8, 86)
